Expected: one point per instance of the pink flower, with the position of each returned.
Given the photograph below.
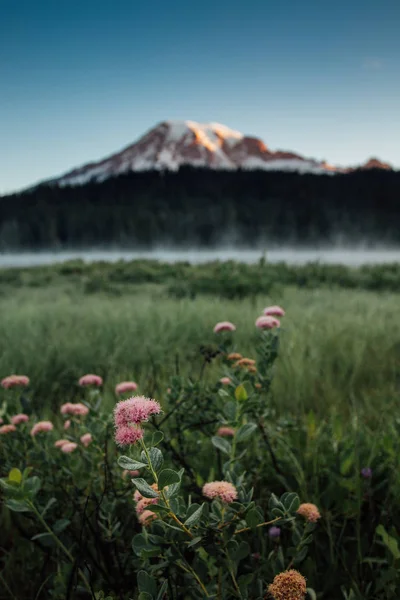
(77, 409)
(137, 496)
(146, 517)
(41, 426)
(1, 421)
(226, 432)
(60, 443)
(7, 429)
(69, 447)
(67, 424)
(267, 322)
(126, 435)
(125, 386)
(309, 511)
(17, 419)
(274, 311)
(224, 326)
(125, 473)
(225, 381)
(86, 439)
(91, 380)
(135, 410)
(220, 489)
(14, 381)
(144, 503)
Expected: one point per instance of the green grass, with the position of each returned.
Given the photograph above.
(339, 348)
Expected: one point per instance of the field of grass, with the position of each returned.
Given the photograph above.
(332, 409)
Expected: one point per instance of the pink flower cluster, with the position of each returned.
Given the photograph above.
(223, 490)
(309, 511)
(90, 379)
(20, 418)
(41, 426)
(86, 439)
(69, 447)
(7, 429)
(225, 381)
(129, 415)
(144, 514)
(274, 311)
(77, 409)
(226, 432)
(14, 381)
(224, 326)
(125, 386)
(125, 473)
(268, 320)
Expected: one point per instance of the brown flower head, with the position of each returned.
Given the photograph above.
(289, 585)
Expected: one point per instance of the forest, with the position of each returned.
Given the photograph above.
(202, 207)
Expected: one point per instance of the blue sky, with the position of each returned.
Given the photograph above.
(82, 79)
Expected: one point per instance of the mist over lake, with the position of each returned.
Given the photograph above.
(349, 256)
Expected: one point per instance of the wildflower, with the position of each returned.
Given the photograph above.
(135, 410)
(366, 472)
(267, 322)
(14, 381)
(274, 532)
(226, 432)
(17, 419)
(86, 439)
(224, 326)
(77, 409)
(60, 443)
(252, 369)
(126, 435)
(67, 424)
(309, 511)
(225, 381)
(289, 585)
(146, 517)
(220, 489)
(125, 386)
(90, 380)
(69, 447)
(7, 429)
(1, 421)
(125, 473)
(234, 356)
(41, 426)
(245, 362)
(274, 311)
(142, 505)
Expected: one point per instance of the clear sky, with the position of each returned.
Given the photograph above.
(80, 79)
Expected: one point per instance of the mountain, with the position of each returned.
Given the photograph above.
(172, 144)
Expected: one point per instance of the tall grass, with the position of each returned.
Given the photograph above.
(339, 348)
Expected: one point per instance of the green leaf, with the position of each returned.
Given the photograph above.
(131, 465)
(48, 505)
(140, 543)
(194, 517)
(389, 541)
(147, 584)
(60, 525)
(15, 475)
(221, 444)
(156, 458)
(144, 488)
(42, 536)
(158, 437)
(168, 477)
(274, 502)
(300, 556)
(245, 431)
(162, 590)
(32, 485)
(194, 542)
(145, 596)
(17, 505)
(241, 552)
(157, 508)
(312, 594)
(253, 518)
(241, 394)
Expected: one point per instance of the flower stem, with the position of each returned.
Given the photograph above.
(259, 525)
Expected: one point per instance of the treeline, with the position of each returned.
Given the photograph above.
(205, 208)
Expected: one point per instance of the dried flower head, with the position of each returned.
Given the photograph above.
(224, 326)
(224, 490)
(14, 381)
(274, 311)
(289, 585)
(127, 435)
(146, 517)
(90, 379)
(125, 386)
(86, 439)
(60, 443)
(7, 429)
(69, 447)
(226, 432)
(225, 381)
(17, 419)
(76, 409)
(41, 426)
(234, 356)
(267, 322)
(135, 410)
(309, 511)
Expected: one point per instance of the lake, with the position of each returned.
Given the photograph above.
(345, 256)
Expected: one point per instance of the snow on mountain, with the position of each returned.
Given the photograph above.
(172, 144)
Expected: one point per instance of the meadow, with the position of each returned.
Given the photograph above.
(317, 422)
